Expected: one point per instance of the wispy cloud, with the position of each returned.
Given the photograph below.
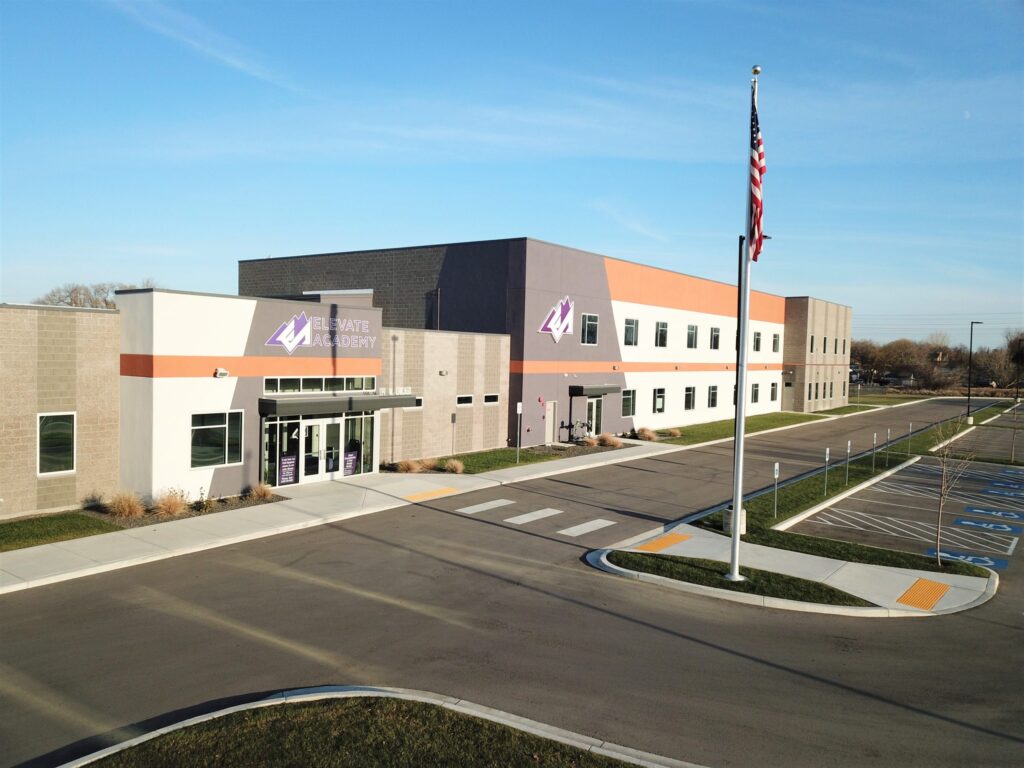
(628, 221)
(193, 34)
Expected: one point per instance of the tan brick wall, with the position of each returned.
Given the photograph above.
(57, 360)
(826, 366)
(439, 366)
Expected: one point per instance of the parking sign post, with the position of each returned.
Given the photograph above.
(910, 435)
(874, 443)
(775, 474)
(888, 440)
(519, 429)
(848, 462)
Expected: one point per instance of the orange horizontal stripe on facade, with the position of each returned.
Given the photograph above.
(641, 284)
(189, 366)
(610, 366)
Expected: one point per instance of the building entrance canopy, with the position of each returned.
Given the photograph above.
(323, 405)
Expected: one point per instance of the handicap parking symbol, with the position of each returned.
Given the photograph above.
(1004, 492)
(967, 557)
(1001, 513)
(1015, 486)
(1015, 472)
(986, 526)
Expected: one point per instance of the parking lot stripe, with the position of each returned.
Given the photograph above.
(663, 542)
(593, 525)
(424, 495)
(529, 517)
(918, 531)
(923, 594)
(485, 506)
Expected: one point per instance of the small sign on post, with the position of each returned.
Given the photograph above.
(848, 444)
(874, 443)
(519, 428)
(775, 475)
(827, 453)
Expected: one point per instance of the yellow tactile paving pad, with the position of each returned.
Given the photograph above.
(662, 542)
(424, 495)
(923, 594)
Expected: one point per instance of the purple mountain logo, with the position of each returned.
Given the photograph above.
(293, 334)
(559, 320)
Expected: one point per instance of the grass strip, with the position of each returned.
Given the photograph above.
(715, 430)
(31, 532)
(710, 573)
(499, 458)
(887, 399)
(356, 733)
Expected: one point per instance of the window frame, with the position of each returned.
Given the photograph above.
(74, 445)
(634, 324)
(757, 341)
(812, 344)
(692, 331)
(495, 401)
(774, 391)
(755, 392)
(584, 316)
(715, 339)
(463, 405)
(690, 398)
(659, 326)
(776, 342)
(632, 402)
(226, 427)
(654, 404)
(712, 396)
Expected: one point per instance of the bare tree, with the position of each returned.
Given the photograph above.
(952, 466)
(96, 296)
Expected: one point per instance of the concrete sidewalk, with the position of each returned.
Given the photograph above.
(306, 507)
(897, 591)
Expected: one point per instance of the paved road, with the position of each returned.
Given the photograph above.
(506, 615)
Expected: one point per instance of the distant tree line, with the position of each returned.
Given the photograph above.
(95, 296)
(935, 364)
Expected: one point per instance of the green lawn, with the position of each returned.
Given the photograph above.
(711, 573)
(33, 531)
(715, 430)
(845, 409)
(499, 458)
(356, 733)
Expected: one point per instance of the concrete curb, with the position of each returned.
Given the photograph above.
(791, 521)
(598, 558)
(990, 591)
(300, 695)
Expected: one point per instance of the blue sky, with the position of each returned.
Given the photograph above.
(168, 140)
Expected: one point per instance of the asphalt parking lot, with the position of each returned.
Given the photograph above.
(982, 521)
(998, 440)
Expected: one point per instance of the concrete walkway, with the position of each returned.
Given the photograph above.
(898, 591)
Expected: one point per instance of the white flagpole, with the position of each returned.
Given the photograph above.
(738, 517)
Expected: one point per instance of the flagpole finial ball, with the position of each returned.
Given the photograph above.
(756, 69)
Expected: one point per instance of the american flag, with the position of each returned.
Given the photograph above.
(755, 237)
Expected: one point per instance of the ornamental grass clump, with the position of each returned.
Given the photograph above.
(428, 465)
(673, 432)
(125, 504)
(589, 441)
(171, 503)
(454, 466)
(261, 492)
(409, 465)
(645, 433)
(609, 440)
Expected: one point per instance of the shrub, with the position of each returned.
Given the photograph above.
(589, 441)
(408, 465)
(673, 432)
(94, 502)
(204, 503)
(171, 502)
(260, 492)
(428, 465)
(454, 466)
(646, 434)
(609, 440)
(126, 504)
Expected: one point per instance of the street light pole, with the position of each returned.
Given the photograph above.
(970, 365)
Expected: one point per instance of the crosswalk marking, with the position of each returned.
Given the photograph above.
(529, 517)
(485, 506)
(593, 525)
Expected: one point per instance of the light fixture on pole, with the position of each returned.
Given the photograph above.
(970, 366)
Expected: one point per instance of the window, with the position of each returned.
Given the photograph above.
(419, 404)
(816, 391)
(691, 337)
(824, 345)
(270, 385)
(216, 439)
(712, 397)
(589, 335)
(464, 400)
(661, 334)
(757, 341)
(490, 399)
(629, 402)
(808, 390)
(317, 384)
(835, 350)
(312, 385)
(659, 400)
(715, 333)
(831, 389)
(754, 391)
(631, 335)
(775, 391)
(734, 394)
(690, 401)
(56, 443)
(289, 385)
(812, 344)
(775, 342)
(844, 389)
(844, 346)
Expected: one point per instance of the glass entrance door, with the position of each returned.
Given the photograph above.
(594, 405)
(311, 453)
(309, 450)
(332, 448)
